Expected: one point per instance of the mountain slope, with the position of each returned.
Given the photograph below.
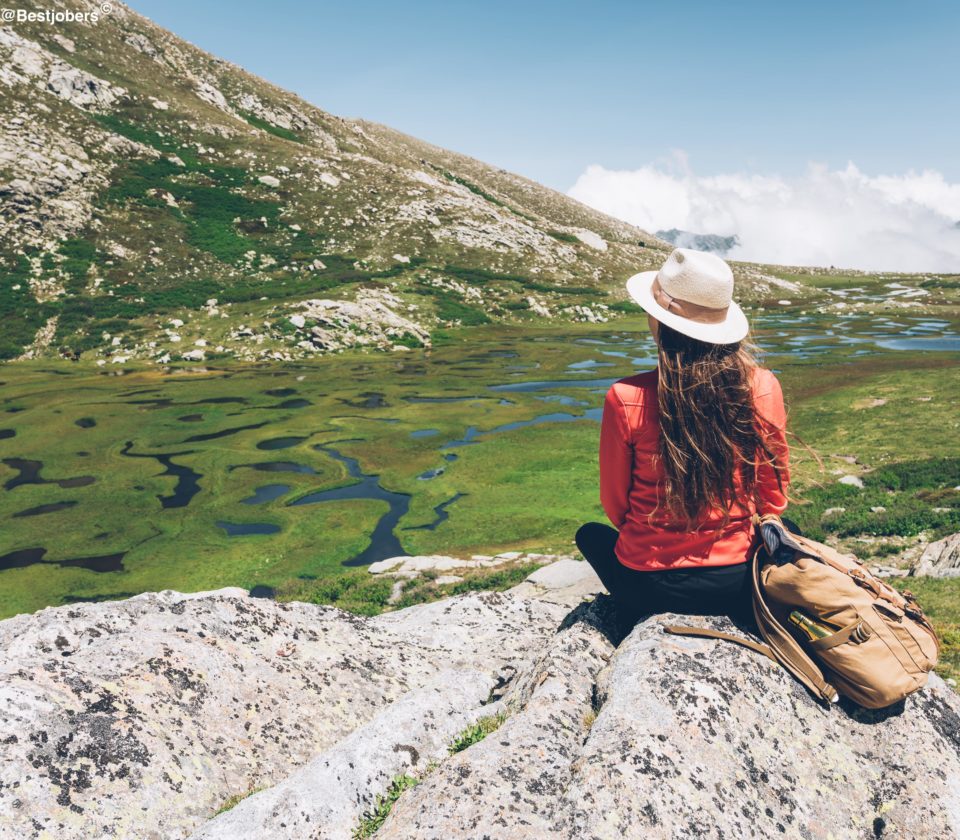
(141, 178)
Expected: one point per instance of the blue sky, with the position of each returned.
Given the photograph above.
(546, 88)
(816, 132)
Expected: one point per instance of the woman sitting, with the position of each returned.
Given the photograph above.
(689, 452)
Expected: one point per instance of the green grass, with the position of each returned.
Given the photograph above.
(377, 815)
(526, 489)
(235, 800)
(912, 493)
(475, 733)
(275, 130)
(20, 313)
(424, 588)
(355, 591)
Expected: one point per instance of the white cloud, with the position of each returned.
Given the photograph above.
(823, 217)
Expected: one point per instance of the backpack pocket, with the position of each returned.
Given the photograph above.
(911, 643)
(868, 663)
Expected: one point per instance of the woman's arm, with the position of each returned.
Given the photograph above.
(772, 422)
(616, 460)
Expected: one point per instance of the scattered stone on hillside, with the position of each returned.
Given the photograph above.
(566, 581)
(851, 481)
(69, 45)
(940, 558)
(140, 718)
(26, 62)
(140, 42)
(369, 321)
(538, 307)
(591, 239)
(598, 313)
(212, 95)
(410, 566)
(42, 339)
(287, 119)
(269, 181)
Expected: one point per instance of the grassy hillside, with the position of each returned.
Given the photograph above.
(159, 203)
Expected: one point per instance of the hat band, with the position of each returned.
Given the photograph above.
(686, 309)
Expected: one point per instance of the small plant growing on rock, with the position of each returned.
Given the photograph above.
(477, 732)
(235, 800)
(377, 815)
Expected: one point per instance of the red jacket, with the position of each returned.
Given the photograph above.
(631, 477)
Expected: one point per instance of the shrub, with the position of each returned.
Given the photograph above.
(355, 591)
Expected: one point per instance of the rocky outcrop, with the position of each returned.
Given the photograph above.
(139, 718)
(940, 558)
(681, 738)
(371, 320)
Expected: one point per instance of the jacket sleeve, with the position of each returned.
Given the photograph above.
(616, 460)
(772, 422)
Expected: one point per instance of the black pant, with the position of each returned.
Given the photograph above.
(705, 590)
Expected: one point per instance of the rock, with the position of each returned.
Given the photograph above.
(269, 181)
(212, 95)
(412, 566)
(888, 571)
(80, 88)
(290, 119)
(430, 717)
(538, 307)
(591, 239)
(940, 558)
(369, 321)
(851, 481)
(566, 581)
(140, 718)
(69, 45)
(298, 321)
(197, 355)
(674, 737)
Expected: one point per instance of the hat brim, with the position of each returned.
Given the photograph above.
(730, 330)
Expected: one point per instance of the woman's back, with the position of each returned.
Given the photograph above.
(632, 480)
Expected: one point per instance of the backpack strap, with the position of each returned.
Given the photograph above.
(781, 646)
(683, 630)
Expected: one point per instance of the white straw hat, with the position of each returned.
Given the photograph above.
(693, 294)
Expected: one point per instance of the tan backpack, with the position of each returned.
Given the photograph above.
(880, 646)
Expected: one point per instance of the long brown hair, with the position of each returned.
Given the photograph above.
(708, 425)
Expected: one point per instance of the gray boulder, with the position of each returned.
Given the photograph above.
(940, 558)
(677, 737)
(140, 718)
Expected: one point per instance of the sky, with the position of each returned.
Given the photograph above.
(830, 119)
